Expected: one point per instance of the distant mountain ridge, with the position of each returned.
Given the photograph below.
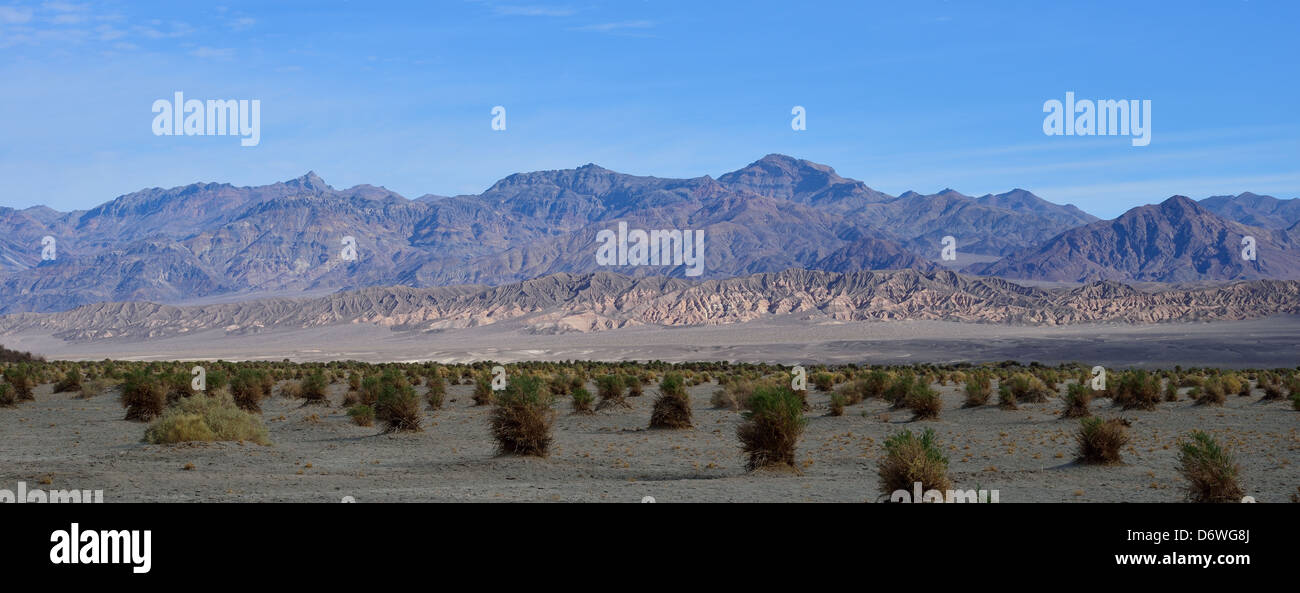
(207, 240)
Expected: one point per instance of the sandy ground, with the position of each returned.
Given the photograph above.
(318, 455)
(1273, 342)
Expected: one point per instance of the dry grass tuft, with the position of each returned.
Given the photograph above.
(521, 421)
(672, 409)
(772, 427)
(1210, 471)
(910, 459)
(1100, 440)
(206, 418)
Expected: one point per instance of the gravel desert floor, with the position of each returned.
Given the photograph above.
(318, 455)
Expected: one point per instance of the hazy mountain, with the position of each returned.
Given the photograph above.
(592, 302)
(206, 240)
(1255, 210)
(1175, 241)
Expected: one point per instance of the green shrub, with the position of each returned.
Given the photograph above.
(910, 459)
(71, 381)
(398, 405)
(923, 401)
(979, 387)
(672, 409)
(142, 396)
(823, 381)
(437, 392)
(1100, 441)
(1210, 471)
(7, 397)
(20, 379)
(314, 387)
(362, 415)
(582, 400)
(206, 418)
(610, 390)
(770, 434)
(1077, 398)
(521, 421)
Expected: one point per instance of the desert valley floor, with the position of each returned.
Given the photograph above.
(319, 455)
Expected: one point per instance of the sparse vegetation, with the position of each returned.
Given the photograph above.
(979, 387)
(1077, 398)
(362, 415)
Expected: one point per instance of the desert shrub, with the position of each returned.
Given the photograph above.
(923, 401)
(582, 400)
(206, 418)
(851, 392)
(610, 390)
(874, 383)
(772, 427)
(20, 380)
(1232, 383)
(177, 386)
(521, 421)
(823, 381)
(483, 394)
(313, 389)
(734, 395)
(1077, 398)
(896, 391)
(634, 386)
(910, 459)
(979, 387)
(1210, 471)
(7, 397)
(246, 390)
(398, 406)
(1137, 390)
(837, 403)
(1295, 401)
(354, 382)
(1100, 440)
(672, 409)
(1292, 384)
(142, 396)
(1028, 388)
(71, 381)
(1211, 392)
(1171, 390)
(561, 385)
(437, 392)
(291, 390)
(93, 388)
(1006, 398)
(362, 415)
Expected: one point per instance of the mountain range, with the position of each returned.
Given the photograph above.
(213, 241)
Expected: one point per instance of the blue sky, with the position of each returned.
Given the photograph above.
(902, 95)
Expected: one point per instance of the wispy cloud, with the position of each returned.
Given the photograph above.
(15, 15)
(621, 27)
(533, 10)
(213, 52)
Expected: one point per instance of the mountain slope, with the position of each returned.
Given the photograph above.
(1174, 241)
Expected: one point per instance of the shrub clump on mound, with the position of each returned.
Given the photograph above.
(910, 459)
(362, 415)
(1006, 398)
(1100, 440)
(610, 390)
(398, 405)
(1211, 392)
(1028, 388)
(923, 401)
(979, 387)
(313, 389)
(20, 380)
(582, 400)
(437, 392)
(1077, 398)
(7, 397)
(143, 397)
(206, 418)
(672, 408)
(521, 421)
(1210, 471)
(1137, 390)
(71, 381)
(246, 390)
(772, 427)
(483, 394)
